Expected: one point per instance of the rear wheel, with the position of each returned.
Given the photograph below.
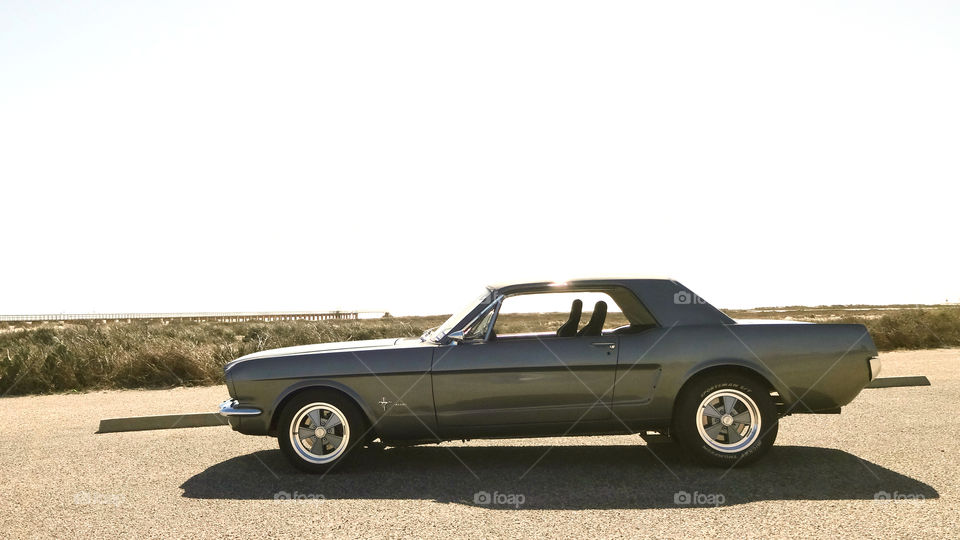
(318, 429)
(725, 419)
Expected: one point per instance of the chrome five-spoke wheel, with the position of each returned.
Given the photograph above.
(728, 420)
(725, 418)
(319, 433)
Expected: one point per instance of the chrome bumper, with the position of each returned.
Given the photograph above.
(229, 408)
(874, 367)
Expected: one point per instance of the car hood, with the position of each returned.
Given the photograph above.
(323, 347)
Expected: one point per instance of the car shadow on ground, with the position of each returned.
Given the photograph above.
(562, 477)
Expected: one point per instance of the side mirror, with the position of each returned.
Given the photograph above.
(456, 337)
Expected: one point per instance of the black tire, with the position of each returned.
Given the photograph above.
(734, 444)
(345, 420)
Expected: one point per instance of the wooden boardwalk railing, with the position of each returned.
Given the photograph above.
(199, 316)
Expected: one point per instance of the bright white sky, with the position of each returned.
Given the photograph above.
(180, 156)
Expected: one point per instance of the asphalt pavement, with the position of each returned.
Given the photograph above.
(887, 466)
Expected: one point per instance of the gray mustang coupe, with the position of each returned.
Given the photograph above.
(673, 367)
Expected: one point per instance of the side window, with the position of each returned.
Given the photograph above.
(479, 328)
(546, 313)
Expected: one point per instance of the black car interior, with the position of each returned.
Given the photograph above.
(638, 317)
(595, 326)
(569, 328)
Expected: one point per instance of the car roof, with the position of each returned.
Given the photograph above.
(667, 300)
(606, 280)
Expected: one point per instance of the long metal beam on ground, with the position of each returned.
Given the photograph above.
(161, 421)
(894, 382)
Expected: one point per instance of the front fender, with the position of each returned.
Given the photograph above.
(369, 377)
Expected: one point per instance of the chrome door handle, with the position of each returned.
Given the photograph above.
(607, 344)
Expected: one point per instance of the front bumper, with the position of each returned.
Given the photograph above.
(231, 407)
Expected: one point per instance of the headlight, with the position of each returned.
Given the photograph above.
(874, 367)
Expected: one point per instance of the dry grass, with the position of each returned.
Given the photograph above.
(58, 358)
(54, 357)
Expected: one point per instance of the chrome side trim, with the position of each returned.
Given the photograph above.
(874, 367)
(230, 408)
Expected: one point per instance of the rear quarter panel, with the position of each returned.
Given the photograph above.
(813, 367)
(821, 366)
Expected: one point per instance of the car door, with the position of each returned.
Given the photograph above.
(540, 379)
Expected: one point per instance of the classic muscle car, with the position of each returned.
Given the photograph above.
(676, 367)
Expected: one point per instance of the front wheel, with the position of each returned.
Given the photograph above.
(318, 429)
(725, 419)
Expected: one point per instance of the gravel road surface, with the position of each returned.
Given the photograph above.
(825, 476)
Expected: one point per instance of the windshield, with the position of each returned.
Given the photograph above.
(448, 325)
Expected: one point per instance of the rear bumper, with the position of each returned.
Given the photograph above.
(874, 367)
(231, 407)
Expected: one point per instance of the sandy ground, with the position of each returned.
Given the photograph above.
(58, 478)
